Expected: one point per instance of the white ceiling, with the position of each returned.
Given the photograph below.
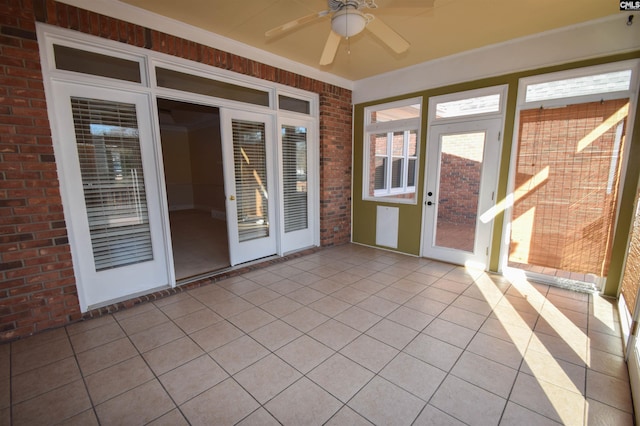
(448, 28)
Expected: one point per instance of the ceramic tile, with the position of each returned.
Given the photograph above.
(143, 321)
(410, 318)
(334, 334)
(156, 336)
(516, 415)
(426, 305)
(304, 353)
(260, 417)
(329, 306)
(172, 418)
(306, 295)
(184, 307)
(275, 335)
(392, 333)
(137, 406)
(106, 355)
(489, 375)
(252, 319)
(216, 335)
(467, 402)
(496, 350)
(281, 306)
(40, 355)
(118, 379)
(86, 418)
(609, 390)
(449, 332)
(197, 320)
(346, 416)
(431, 416)
(382, 402)
(172, 355)
(44, 379)
(305, 319)
(413, 375)
(378, 305)
(53, 407)
(369, 353)
(340, 376)
(267, 378)
(602, 414)
(439, 295)
(463, 317)
(358, 318)
(433, 351)
(561, 373)
(192, 378)
(304, 402)
(260, 296)
(232, 307)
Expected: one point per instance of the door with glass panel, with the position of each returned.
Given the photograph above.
(248, 152)
(109, 183)
(461, 177)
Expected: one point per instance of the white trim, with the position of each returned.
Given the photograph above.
(145, 18)
(600, 37)
(468, 94)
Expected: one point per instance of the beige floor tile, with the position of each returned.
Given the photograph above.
(172, 355)
(302, 403)
(134, 311)
(433, 351)
(516, 415)
(172, 418)
(156, 336)
(306, 295)
(378, 305)
(449, 332)
(489, 375)
(358, 318)
(431, 416)
(36, 341)
(197, 320)
(426, 305)
(184, 307)
(285, 286)
(392, 333)
(451, 286)
(410, 318)
(327, 286)
(305, 319)
(599, 414)
(281, 306)
(561, 373)
(260, 296)
(53, 407)
(351, 295)
(382, 402)
(368, 285)
(105, 356)
(496, 349)
(369, 353)
(609, 364)
(260, 417)
(138, 406)
(605, 343)
(192, 378)
(44, 379)
(216, 335)
(304, 353)
(341, 377)
(252, 319)
(35, 356)
(480, 307)
(439, 295)
(239, 354)
(413, 375)
(305, 278)
(143, 321)
(263, 277)
(395, 295)
(239, 285)
(609, 390)
(421, 278)
(275, 335)
(549, 400)
(346, 416)
(90, 339)
(575, 351)
(118, 379)
(463, 317)
(86, 418)
(468, 403)
(334, 334)
(410, 286)
(329, 306)
(90, 324)
(267, 378)
(382, 278)
(520, 336)
(509, 316)
(231, 307)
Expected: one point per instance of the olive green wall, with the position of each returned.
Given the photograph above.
(410, 222)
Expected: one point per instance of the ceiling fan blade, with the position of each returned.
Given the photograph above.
(330, 48)
(387, 35)
(295, 23)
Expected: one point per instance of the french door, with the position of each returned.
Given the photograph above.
(248, 152)
(461, 177)
(109, 183)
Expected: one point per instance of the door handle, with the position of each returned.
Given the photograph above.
(232, 197)
(429, 203)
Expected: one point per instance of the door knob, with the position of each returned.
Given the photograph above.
(232, 197)
(429, 203)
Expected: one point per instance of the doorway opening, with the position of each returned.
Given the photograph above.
(193, 168)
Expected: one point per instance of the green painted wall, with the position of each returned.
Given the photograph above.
(410, 226)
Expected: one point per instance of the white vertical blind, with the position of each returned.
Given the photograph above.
(252, 196)
(110, 159)
(294, 173)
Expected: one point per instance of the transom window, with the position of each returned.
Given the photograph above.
(391, 146)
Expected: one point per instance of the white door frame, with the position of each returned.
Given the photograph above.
(479, 257)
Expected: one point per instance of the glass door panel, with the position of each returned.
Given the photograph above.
(461, 176)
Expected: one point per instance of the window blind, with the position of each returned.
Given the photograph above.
(294, 171)
(107, 139)
(252, 197)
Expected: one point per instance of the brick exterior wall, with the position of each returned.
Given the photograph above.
(38, 289)
(631, 277)
(563, 219)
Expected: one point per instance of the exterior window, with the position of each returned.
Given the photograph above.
(391, 144)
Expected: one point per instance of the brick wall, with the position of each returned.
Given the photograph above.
(564, 213)
(37, 289)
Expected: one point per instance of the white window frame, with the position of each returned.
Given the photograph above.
(390, 194)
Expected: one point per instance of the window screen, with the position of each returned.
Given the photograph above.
(70, 59)
(294, 170)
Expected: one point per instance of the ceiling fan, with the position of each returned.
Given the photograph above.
(348, 19)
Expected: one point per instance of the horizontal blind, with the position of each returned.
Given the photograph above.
(252, 197)
(107, 139)
(294, 171)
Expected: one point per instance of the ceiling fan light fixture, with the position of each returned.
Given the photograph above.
(348, 22)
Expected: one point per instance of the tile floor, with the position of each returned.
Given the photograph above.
(346, 336)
